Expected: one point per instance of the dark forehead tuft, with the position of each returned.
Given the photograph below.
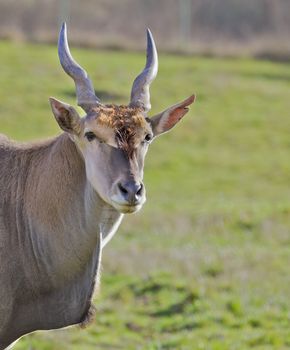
(128, 123)
(118, 117)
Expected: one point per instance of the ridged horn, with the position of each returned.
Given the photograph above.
(140, 95)
(84, 88)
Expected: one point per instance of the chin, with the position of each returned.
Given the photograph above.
(126, 208)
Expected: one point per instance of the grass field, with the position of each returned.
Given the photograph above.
(205, 264)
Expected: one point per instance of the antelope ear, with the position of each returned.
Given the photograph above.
(66, 116)
(167, 119)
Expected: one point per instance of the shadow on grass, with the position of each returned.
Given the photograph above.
(176, 308)
(151, 287)
(103, 95)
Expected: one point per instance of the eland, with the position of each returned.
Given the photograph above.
(62, 200)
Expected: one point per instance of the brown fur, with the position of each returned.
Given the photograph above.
(129, 125)
(49, 219)
(89, 317)
(117, 117)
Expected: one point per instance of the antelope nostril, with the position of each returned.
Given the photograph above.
(131, 191)
(122, 189)
(139, 190)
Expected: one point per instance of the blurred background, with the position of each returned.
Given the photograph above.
(223, 27)
(205, 264)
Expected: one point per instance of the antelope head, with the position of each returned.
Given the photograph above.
(114, 140)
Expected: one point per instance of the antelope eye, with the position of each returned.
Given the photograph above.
(90, 136)
(148, 137)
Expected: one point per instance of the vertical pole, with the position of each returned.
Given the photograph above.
(185, 12)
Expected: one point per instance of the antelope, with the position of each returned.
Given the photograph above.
(62, 200)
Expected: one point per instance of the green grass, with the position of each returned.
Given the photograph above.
(205, 264)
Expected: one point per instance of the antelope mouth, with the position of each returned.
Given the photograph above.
(126, 208)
